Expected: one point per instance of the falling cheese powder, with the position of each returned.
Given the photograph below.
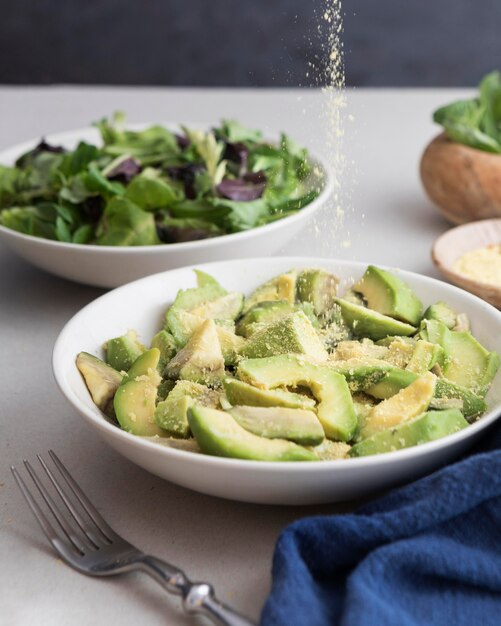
(482, 265)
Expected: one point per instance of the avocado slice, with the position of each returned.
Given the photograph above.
(318, 287)
(370, 323)
(295, 425)
(424, 356)
(467, 362)
(219, 434)
(166, 343)
(441, 312)
(397, 379)
(147, 361)
(365, 348)
(238, 392)
(389, 295)
(387, 341)
(172, 413)
(231, 345)
(224, 307)
(433, 331)
(361, 373)
(335, 407)
(427, 427)
(282, 287)
(206, 280)
(331, 450)
(185, 301)
(264, 313)
(184, 324)
(446, 403)
(135, 398)
(121, 352)
(462, 323)
(188, 299)
(101, 379)
(292, 334)
(408, 403)
(201, 360)
(187, 445)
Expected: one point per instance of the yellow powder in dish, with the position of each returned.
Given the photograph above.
(482, 265)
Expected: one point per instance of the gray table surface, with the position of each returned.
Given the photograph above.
(387, 219)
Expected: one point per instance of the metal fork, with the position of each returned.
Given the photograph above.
(87, 543)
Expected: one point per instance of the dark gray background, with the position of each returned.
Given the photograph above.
(244, 42)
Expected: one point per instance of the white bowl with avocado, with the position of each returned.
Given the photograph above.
(458, 417)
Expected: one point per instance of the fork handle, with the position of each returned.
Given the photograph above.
(197, 597)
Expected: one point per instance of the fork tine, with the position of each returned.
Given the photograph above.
(107, 532)
(33, 504)
(59, 517)
(84, 527)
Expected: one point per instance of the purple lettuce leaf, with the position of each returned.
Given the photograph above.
(43, 146)
(182, 141)
(250, 187)
(186, 174)
(125, 171)
(237, 153)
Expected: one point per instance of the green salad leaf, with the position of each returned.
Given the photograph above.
(476, 122)
(149, 192)
(154, 186)
(125, 224)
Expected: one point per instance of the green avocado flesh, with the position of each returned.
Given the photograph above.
(292, 334)
(281, 287)
(424, 356)
(296, 371)
(185, 301)
(201, 360)
(467, 362)
(239, 392)
(365, 322)
(397, 379)
(427, 427)
(441, 312)
(121, 352)
(172, 413)
(218, 433)
(101, 379)
(389, 295)
(147, 361)
(405, 405)
(361, 373)
(335, 406)
(135, 398)
(317, 287)
(165, 342)
(295, 425)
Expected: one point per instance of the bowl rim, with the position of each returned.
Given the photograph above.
(106, 427)
(9, 154)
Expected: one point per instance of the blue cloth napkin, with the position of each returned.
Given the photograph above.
(426, 554)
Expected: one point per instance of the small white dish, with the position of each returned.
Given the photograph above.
(141, 305)
(450, 246)
(110, 266)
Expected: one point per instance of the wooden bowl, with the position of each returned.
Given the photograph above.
(455, 242)
(464, 183)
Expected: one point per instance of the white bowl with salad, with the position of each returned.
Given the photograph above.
(110, 204)
(285, 380)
